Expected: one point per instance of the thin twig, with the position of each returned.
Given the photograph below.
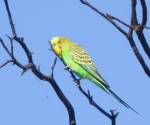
(11, 45)
(10, 19)
(92, 102)
(134, 26)
(5, 47)
(34, 69)
(104, 15)
(53, 67)
(120, 21)
(146, 27)
(112, 116)
(14, 60)
(4, 64)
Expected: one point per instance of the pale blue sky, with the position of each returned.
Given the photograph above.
(24, 99)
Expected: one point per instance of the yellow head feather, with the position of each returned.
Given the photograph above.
(57, 44)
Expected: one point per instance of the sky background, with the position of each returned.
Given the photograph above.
(25, 100)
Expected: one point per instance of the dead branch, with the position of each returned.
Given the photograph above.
(134, 26)
(31, 66)
(112, 115)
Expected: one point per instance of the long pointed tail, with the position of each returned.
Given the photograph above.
(121, 101)
(100, 82)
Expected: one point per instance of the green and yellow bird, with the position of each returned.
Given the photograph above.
(75, 58)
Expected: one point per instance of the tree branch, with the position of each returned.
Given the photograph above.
(33, 67)
(134, 26)
(106, 16)
(5, 47)
(139, 56)
(4, 64)
(10, 19)
(134, 22)
(144, 12)
(112, 115)
(140, 33)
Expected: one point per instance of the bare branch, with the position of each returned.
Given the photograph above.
(10, 19)
(5, 47)
(139, 56)
(112, 116)
(11, 44)
(133, 13)
(33, 67)
(146, 27)
(132, 42)
(134, 26)
(143, 42)
(120, 21)
(4, 64)
(140, 33)
(144, 12)
(106, 16)
(53, 67)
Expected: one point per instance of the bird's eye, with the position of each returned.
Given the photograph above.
(60, 47)
(59, 42)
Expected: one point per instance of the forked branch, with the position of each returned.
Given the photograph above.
(133, 26)
(31, 65)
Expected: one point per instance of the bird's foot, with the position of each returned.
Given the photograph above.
(77, 81)
(67, 67)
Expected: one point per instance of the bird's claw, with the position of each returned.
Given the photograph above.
(67, 67)
(77, 81)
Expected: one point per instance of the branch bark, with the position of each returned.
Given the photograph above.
(112, 115)
(31, 65)
(5, 63)
(134, 26)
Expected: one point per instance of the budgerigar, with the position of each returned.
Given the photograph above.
(75, 58)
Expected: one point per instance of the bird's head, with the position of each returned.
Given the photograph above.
(57, 44)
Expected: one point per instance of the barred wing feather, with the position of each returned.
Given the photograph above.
(79, 55)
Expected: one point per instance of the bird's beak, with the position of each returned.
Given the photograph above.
(51, 47)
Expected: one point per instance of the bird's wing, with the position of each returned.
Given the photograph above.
(79, 55)
(83, 59)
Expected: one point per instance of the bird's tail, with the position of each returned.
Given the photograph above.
(121, 101)
(106, 88)
(100, 82)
